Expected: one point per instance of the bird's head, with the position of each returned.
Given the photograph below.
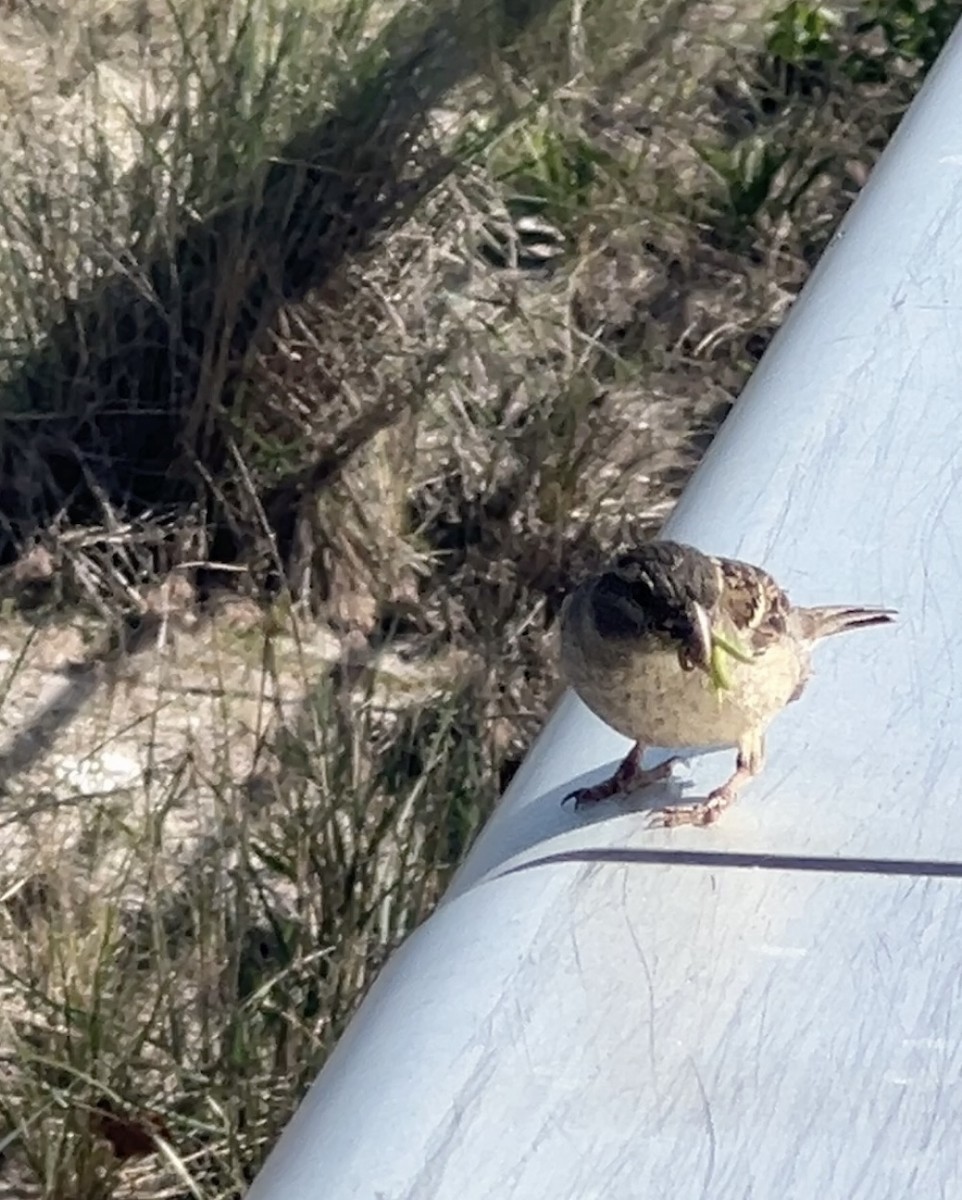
(661, 590)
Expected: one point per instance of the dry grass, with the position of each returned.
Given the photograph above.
(332, 351)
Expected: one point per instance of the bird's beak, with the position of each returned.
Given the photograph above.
(700, 649)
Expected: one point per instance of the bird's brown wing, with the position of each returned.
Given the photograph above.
(753, 602)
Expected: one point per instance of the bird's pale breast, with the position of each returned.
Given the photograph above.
(641, 690)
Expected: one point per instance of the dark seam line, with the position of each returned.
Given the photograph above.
(740, 861)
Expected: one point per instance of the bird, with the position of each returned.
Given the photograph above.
(679, 649)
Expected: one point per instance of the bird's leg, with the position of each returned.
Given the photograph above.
(750, 761)
(628, 778)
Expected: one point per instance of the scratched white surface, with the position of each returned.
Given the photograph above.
(771, 1007)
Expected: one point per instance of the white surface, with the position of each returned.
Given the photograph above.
(772, 1006)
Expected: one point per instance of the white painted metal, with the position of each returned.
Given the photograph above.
(771, 1007)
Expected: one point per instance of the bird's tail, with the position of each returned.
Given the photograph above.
(823, 622)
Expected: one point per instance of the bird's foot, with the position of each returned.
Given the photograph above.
(707, 811)
(629, 777)
(704, 812)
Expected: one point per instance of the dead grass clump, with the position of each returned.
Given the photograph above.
(181, 951)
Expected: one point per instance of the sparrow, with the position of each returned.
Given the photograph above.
(679, 649)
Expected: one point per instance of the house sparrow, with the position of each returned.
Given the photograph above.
(676, 648)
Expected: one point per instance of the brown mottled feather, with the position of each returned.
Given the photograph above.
(753, 602)
(651, 590)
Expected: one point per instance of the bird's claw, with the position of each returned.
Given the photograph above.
(622, 782)
(705, 812)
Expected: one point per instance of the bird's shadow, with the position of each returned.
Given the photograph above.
(502, 850)
(517, 829)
